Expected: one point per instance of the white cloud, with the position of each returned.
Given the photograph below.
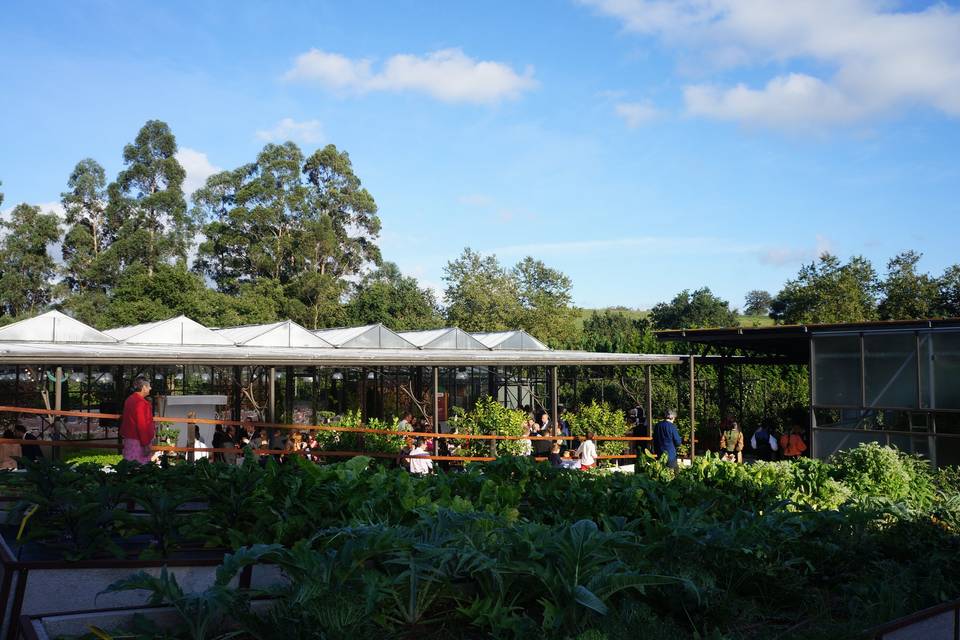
(877, 59)
(636, 114)
(447, 75)
(308, 131)
(796, 100)
(198, 168)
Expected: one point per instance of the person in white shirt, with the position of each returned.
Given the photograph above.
(587, 452)
(526, 445)
(420, 464)
(199, 444)
(404, 424)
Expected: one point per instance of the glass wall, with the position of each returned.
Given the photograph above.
(890, 370)
(836, 363)
(910, 392)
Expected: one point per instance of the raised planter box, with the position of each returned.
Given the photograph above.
(49, 626)
(32, 586)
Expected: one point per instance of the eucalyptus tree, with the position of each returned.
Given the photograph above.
(88, 236)
(27, 269)
(305, 223)
(146, 213)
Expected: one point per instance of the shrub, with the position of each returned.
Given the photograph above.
(489, 417)
(380, 441)
(876, 471)
(603, 421)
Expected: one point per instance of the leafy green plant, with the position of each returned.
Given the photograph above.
(202, 614)
(601, 419)
(884, 472)
(489, 417)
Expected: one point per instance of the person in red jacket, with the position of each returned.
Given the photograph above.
(136, 427)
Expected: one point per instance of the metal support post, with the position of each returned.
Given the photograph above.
(272, 394)
(649, 392)
(693, 417)
(57, 405)
(436, 399)
(813, 416)
(555, 395)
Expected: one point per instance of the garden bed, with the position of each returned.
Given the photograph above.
(36, 579)
(518, 549)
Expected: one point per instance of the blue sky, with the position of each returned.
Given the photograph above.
(640, 146)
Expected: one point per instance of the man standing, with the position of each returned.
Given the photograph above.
(666, 438)
(764, 444)
(136, 426)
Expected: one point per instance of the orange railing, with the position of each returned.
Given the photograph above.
(324, 453)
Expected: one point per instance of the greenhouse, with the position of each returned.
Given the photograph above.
(283, 372)
(896, 383)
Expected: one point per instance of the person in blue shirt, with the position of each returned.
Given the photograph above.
(666, 438)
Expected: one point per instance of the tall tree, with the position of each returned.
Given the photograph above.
(757, 303)
(306, 224)
(252, 215)
(687, 310)
(343, 225)
(481, 295)
(146, 209)
(26, 268)
(828, 291)
(397, 301)
(546, 302)
(907, 293)
(948, 299)
(87, 235)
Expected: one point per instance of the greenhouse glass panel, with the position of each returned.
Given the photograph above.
(890, 370)
(946, 370)
(836, 361)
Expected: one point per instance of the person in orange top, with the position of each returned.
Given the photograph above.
(793, 445)
(136, 427)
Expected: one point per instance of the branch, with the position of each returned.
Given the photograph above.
(413, 398)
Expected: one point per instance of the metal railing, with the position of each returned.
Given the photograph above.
(316, 452)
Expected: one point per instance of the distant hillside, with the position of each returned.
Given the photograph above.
(745, 321)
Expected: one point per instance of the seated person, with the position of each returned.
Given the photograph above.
(568, 461)
(554, 457)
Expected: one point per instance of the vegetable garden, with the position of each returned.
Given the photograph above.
(514, 548)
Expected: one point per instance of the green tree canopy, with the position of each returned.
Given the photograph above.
(948, 299)
(693, 310)
(481, 295)
(546, 303)
(173, 290)
(305, 224)
(611, 331)
(146, 211)
(27, 270)
(757, 303)
(828, 291)
(387, 296)
(88, 235)
(908, 293)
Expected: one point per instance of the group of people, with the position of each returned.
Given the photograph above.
(766, 444)
(552, 441)
(542, 438)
